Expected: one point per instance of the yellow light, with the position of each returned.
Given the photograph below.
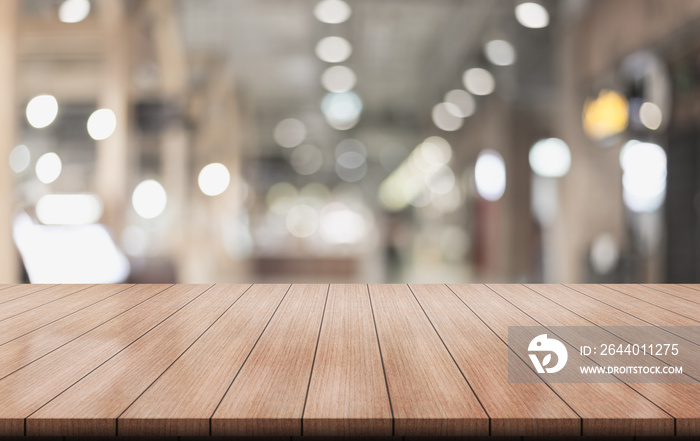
(606, 115)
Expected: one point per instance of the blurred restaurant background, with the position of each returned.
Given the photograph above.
(349, 141)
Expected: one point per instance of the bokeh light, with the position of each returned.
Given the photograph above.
(69, 209)
(606, 115)
(20, 157)
(650, 115)
(48, 167)
(42, 111)
(444, 118)
(333, 49)
(644, 176)
(490, 175)
(302, 220)
(289, 132)
(500, 52)
(338, 79)
(149, 199)
(479, 81)
(550, 158)
(342, 110)
(532, 15)
(332, 11)
(214, 179)
(463, 103)
(101, 124)
(73, 11)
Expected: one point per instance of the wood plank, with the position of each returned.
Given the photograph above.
(30, 347)
(347, 394)
(44, 297)
(429, 395)
(40, 316)
(659, 298)
(17, 291)
(693, 286)
(26, 390)
(601, 314)
(509, 405)
(183, 399)
(683, 291)
(91, 407)
(267, 397)
(680, 400)
(652, 314)
(611, 409)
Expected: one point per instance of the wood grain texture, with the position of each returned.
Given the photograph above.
(509, 405)
(347, 394)
(25, 391)
(660, 298)
(267, 397)
(314, 360)
(604, 315)
(428, 393)
(183, 399)
(687, 292)
(648, 312)
(37, 299)
(39, 316)
(606, 408)
(12, 292)
(30, 347)
(91, 407)
(679, 400)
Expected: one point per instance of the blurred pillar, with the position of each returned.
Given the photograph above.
(112, 153)
(175, 139)
(9, 15)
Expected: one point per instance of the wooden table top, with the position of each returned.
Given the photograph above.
(291, 360)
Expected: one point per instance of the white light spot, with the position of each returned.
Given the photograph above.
(332, 11)
(48, 167)
(463, 102)
(42, 111)
(149, 199)
(532, 15)
(333, 49)
(101, 124)
(604, 254)
(302, 220)
(19, 158)
(490, 175)
(444, 117)
(650, 115)
(290, 132)
(73, 11)
(500, 52)
(550, 158)
(214, 179)
(339, 224)
(644, 177)
(479, 81)
(69, 209)
(341, 110)
(338, 79)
